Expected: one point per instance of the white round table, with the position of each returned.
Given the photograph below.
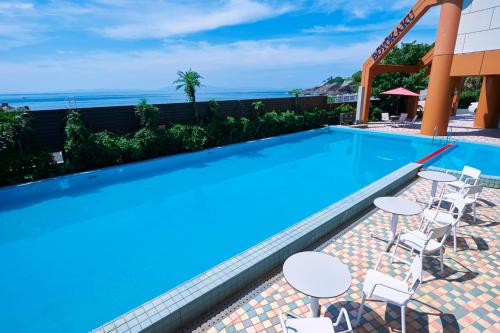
(436, 177)
(317, 275)
(397, 206)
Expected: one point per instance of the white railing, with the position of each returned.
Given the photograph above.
(345, 98)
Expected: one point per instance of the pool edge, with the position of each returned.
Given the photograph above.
(180, 305)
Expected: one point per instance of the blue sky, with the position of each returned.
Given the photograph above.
(59, 45)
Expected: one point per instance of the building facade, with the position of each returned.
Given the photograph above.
(467, 44)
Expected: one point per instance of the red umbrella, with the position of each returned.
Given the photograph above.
(401, 92)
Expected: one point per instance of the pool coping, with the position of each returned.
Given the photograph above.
(485, 180)
(180, 305)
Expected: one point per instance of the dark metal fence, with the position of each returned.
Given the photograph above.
(48, 125)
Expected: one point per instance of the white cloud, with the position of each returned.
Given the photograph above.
(170, 19)
(249, 63)
(339, 28)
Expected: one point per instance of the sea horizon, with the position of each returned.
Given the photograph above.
(102, 98)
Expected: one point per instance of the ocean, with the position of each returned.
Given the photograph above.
(49, 101)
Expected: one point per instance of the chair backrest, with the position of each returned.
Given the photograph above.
(470, 173)
(385, 116)
(441, 232)
(415, 273)
(473, 191)
(402, 117)
(414, 118)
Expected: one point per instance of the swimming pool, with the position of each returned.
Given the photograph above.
(77, 251)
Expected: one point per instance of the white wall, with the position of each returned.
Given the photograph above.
(479, 28)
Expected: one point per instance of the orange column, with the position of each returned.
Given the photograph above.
(366, 101)
(457, 83)
(488, 109)
(411, 106)
(438, 102)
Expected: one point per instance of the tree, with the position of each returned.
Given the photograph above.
(296, 93)
(189, 81)
(406, 54)
(356, 79)
(332, 80)
(257, 106)
(472, 83)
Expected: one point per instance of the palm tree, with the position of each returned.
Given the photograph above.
(190, 81)
(296, 93)
(257, 106)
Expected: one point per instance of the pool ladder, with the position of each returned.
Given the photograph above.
(449, 135)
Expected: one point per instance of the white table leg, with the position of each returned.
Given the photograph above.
(394, 229)
(434, 188)
(314, 306)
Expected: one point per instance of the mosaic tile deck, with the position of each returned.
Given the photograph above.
(465, 298)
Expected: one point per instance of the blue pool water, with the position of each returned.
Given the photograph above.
(78, 251)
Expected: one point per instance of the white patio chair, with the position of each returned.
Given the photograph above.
(411, 121)
(383, 287)
(446, 216)
(385, 117)
(425, 240)
(313, 325)
(402, 118)
(468, 176)
(470, 195)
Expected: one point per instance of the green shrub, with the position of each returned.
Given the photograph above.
(312, 119)
(246, 127)
(104, 149)
(290, 122)
(375, 114)
(269, 125)
(18, 168)
(345, 108)
(21, 159)
(188, 138)
(147, 114)
(467, 97)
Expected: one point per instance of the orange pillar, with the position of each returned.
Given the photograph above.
(457, 83)
(366, 99)
(411, 106)
(488, 108)
(438, 102)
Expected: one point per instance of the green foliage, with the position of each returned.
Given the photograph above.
(467, 97)
(472, 83)
(188, 138)
(257, 106)
(18, 168)
(21, 159)
(375, 114)
(213, 110)
(406, 54)
(75, 149)
(147, 114)
(13, 128)
(345, 108)
(85, 150)
(296, 93)
(190, 81)
(356, 79)
(332, 80)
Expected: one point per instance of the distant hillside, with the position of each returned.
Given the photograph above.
(332, 89)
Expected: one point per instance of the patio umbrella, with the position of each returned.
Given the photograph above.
(400, 92)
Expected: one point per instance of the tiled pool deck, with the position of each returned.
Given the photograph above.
(461, 128)
(465, 298)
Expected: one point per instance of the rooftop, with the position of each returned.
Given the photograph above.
(465, 298)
